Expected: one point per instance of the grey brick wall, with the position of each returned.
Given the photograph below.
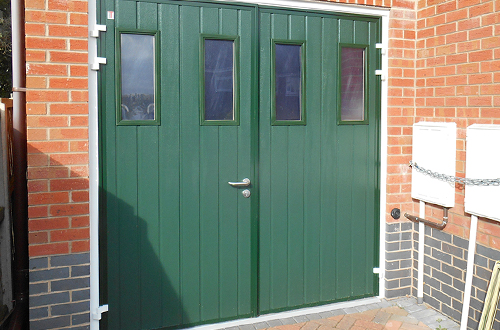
(399, 268)
(60, 292)
(445, 262)
(444, 271)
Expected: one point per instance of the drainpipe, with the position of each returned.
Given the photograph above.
(19, 318)
(421, 251)
(470, 272)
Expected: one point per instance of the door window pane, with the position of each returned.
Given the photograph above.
(137, 77)
(288, 82)
(219, 79)
(352, 84)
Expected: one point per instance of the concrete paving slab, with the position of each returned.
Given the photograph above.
(274, 323)
(247, 327)
(314, 316)
(415, 308)
(338, 312)
(300, 318)
(428, 314)
(288, 320)
(350, 310)
(261, 325)
(325, 315)
(403, 302)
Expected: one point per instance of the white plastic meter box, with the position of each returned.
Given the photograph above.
(483, 162)
(434, 149)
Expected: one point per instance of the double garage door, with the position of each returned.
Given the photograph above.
(239, 161)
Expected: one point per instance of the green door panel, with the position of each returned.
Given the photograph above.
(179, 237)
(318, 182)
(179, 245)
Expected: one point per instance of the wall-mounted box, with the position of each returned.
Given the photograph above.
(434, 148)
(483, 162)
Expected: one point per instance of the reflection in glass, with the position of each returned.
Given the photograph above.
(352, 84)
(219, 79)
(138, 76)
(288, 82)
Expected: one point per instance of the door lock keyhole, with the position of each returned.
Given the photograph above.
(246, 193)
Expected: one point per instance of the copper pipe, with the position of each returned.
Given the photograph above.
(439, 226)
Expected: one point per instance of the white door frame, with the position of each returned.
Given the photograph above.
(94, 61)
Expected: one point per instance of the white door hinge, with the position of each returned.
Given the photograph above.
(381, 47)
(376, 270)
(98, 60)
(99, 310)
(379, 73)
(97, 28)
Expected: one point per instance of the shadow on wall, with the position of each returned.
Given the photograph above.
(138, 291)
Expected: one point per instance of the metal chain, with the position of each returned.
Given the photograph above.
(453, 179)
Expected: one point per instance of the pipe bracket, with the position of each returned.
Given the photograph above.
(97, 61)
(98, 312)
(97, 28)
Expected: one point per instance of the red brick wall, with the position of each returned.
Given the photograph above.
(57, 120)
(401, 105)
(56, 49)
(457, 65)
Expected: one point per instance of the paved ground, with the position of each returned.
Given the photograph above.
(398, 314)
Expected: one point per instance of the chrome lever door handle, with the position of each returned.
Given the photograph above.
(244, 183)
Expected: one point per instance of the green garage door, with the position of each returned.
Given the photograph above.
(318, 176)
(239, 152)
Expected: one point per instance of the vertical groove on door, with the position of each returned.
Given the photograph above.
(190, 161)
(312, 183)
(294, 218)
(344, 191)
(264, 162)
(126, 189)
(147, 202)
(169, 159)
(360, 180)
(169, 171)
(228, 208)
(328, 160)
(244, 164)
(127, 213)
(279, 193)
(209, 201)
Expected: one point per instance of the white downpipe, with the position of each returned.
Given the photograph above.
(93, 172)
(383, 150)
(421, 247)
(470, 272)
